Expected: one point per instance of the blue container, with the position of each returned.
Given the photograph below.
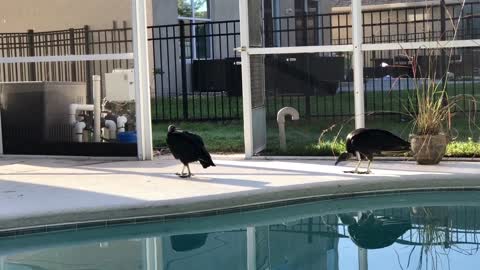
(127, 137)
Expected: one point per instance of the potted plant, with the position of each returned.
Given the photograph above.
(430, 110)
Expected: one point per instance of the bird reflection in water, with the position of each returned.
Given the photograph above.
(374, 232)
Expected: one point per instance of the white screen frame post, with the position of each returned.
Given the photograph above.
(358, 81)
(246, 80)
(142, 82)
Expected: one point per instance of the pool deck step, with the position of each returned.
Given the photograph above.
(39, 192)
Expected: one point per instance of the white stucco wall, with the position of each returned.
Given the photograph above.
(48, 15)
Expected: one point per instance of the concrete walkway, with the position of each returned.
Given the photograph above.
(36, 192)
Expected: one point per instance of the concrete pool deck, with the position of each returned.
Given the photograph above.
(38, 192)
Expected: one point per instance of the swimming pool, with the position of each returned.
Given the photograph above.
(398, 231)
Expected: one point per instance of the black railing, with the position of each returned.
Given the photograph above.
(197, 75)
(196, 71)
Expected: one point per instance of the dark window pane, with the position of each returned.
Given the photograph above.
(202, 41)
(188, 39)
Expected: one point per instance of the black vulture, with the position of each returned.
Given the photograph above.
(371, 232)
(364, 143)
(187, 147)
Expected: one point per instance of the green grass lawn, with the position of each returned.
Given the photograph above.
(225, 107)
(320, 137)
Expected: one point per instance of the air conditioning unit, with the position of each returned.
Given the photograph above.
(38, 111)
(119, 85)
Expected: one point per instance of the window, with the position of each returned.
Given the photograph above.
(196, 15)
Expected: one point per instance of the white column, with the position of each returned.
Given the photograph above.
(251, 249)
(142, 83)
(151, 255)
(358, 84)
(2, 263)
(362, 258)
(246, 81)
(97, 108)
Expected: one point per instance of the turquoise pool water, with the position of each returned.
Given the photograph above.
(401, 231)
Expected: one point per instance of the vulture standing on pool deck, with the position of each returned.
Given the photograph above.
(187, 147)
(364, 143)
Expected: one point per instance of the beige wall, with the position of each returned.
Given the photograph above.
(47, 15)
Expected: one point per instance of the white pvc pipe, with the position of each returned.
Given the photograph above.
(97, 111)
(357, 39)
(121, 121)
(78, 131)
(112, 129)
(75, 108)
(281, 124)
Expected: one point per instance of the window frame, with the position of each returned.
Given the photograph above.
(193, 20)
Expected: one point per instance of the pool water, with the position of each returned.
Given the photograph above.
(401, 231)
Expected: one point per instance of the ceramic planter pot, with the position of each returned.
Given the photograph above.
(428, 149)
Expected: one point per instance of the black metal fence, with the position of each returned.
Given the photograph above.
(61, 43)
(196, 71)
(197, 74)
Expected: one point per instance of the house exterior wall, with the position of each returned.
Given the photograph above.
(50, 15)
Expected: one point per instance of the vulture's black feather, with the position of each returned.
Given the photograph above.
(365, 143)
(188, 148)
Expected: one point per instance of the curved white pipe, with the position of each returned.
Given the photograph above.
(74, 108)
(121, 121)
(281, 124)
(112, 129)
(78, 131)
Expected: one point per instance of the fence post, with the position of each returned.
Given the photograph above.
(183, 59)
(267, 5)
(31, 52)
(443, 26)
(308, 109)
(73, 70)
(88, 71)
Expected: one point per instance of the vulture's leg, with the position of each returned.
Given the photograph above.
(189, 172)
(370, 160)
(369, 157)
(359, 157)
(181, 173)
